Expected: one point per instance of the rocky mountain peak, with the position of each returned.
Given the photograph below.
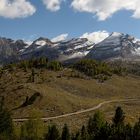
(116, 46)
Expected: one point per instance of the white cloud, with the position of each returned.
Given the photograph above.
(60, 38)
(52, 5)
(16, 8)
(96, 37)
(104, 9)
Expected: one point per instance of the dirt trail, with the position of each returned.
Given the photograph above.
(78, 112)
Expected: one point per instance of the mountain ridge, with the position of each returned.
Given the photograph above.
(115, 46)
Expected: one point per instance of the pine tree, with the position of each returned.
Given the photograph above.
(52, 134)
(119, 117)
(6, 124)
(31, 130)
(65, 133)
(33, 75)
(84, 134)
(136, 131)
(23, 133)
(104, 133)
(76, 137)
(95, 123)
(128, 132)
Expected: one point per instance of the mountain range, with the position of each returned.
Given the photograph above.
(115, 46)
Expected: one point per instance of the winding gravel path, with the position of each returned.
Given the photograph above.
(78, 112)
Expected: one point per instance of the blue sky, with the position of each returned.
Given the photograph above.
(47, 23)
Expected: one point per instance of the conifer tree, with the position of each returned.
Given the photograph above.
(76, 137)
(65, 133)
(6, 124)
(84, 134)
(119, 117)
(95, 123)
(53, 133)
(136, 131)
(33, 75)
(33, 128)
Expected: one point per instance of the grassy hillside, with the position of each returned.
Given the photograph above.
(64, 91)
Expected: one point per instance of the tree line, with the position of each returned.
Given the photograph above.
(97, 69)
(37, 63)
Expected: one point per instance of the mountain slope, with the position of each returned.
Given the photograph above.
(62, 51)
(9, 49)
(116, 46)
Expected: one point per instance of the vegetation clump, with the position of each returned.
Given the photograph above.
(97, 70)
(54, 65)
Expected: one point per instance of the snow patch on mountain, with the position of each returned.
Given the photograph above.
(78, 55)
(113, 39)
(40, 43)
(116, 34)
